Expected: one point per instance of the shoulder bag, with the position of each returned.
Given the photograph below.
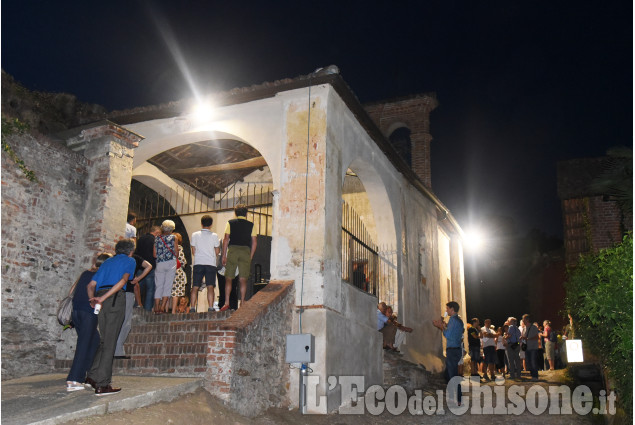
(65, 309)
(178, 263)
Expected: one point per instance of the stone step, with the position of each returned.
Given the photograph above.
(190, 337)
(143, 317)
(145, 349)
(166, 344)
(162, 364)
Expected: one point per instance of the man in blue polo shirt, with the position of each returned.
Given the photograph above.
(453, 333)
(106, 289)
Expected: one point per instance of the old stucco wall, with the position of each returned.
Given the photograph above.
(408, 221)
(405, 221)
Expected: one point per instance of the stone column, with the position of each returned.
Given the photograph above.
(111, 150)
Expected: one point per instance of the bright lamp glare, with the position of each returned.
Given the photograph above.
(474, 240)
(203, 112)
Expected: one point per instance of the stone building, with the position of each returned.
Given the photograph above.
(331, 195)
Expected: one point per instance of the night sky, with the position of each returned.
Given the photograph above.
(521, 85)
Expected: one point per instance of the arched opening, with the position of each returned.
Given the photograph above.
(208, 177)
(400, 139)
(369, 257)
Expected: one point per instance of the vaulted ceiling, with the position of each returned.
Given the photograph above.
(211, 165)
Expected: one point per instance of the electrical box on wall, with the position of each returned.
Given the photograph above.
(300, 348)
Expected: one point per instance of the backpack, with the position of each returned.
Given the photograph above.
(553, 337)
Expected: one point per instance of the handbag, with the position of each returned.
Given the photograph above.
(523, 346)
(65, 309)
(178, 263)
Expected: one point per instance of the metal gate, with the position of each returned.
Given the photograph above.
(153, 207)
(360, 259)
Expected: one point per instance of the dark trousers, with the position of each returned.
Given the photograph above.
(513, 358)
(452, 358)
(85, 323)
(531, 356)
(109, 320)
(147, 284)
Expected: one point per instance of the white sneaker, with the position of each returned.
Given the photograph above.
(73, 386)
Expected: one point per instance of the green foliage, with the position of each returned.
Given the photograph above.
(600, 299)
(9, 128)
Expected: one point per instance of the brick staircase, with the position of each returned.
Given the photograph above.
(166, 344)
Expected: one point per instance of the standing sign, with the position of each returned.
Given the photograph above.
(574, 351)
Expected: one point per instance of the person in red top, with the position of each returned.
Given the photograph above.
(550, 339)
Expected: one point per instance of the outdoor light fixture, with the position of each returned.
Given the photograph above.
(203, 111)
(474, 240)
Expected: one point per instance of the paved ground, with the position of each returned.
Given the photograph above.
(44, 400)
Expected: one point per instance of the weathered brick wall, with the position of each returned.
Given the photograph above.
(605, 218)
(414, 113)
(52, 231)
(40, 242)
(246, 355)
(590, 224)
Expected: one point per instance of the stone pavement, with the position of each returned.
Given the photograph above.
(43, 399)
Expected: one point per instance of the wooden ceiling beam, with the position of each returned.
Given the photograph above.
(256, 162)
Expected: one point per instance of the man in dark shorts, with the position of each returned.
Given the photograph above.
(474, 346)
(239, 247)
(489, 350)
(205, 248)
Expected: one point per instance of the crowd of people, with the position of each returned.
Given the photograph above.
(515, 347)
(507, 350)
(145, 273)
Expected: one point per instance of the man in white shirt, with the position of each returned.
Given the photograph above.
(205, 248)
(489, 349)
(131, 231)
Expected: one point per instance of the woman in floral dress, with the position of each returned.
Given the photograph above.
(180, 279)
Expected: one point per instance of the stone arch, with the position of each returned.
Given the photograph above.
(151, 147)
(180, 193)
(396, 125)
(381, 224)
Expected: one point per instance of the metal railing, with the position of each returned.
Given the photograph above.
(152, 207)
(387, 290)
(360, 258)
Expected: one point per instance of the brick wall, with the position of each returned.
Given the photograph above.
(52, 231)
(40, 242)
(414, 113)
(590, 224)
(246, 354)
(606, 229)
